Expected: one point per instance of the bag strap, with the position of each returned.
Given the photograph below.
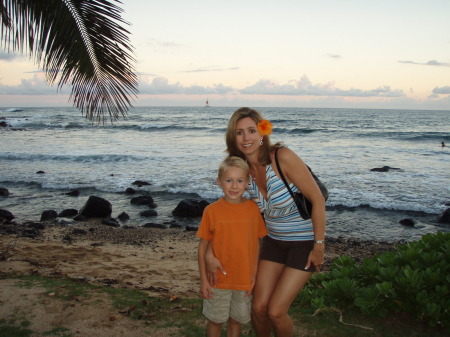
(282, 175)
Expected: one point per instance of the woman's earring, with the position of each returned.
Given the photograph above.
(261, 142)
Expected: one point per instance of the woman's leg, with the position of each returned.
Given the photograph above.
(266, 281)
(290, 283)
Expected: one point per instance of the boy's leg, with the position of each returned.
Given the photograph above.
(233, 328)
(213, 329)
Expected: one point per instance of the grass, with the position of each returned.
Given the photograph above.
(184, 316)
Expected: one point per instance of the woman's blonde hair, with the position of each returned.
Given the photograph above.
(233, 162)
(230, 135)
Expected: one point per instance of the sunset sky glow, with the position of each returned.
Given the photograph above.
(324, 53)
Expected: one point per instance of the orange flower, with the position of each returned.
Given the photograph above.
(264, 127)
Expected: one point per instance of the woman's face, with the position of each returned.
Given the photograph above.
(247, 136)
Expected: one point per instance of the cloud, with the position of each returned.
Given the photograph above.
(161, 85)
(34, 86)
(429, 63)
(442, 90)
(200, 70)
(304, 87)
(334, 56)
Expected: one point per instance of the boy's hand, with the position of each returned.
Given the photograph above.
(206, 290)
(212, 264)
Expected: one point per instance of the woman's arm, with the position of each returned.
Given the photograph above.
(212, 264)
(296, 171)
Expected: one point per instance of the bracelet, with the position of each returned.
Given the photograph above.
(319, 241)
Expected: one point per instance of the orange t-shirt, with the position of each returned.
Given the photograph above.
(234, 230)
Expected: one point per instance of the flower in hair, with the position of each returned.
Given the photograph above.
(264, 127)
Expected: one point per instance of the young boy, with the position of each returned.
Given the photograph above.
(234, 226)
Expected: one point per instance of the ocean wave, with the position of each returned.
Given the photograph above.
(111, 158)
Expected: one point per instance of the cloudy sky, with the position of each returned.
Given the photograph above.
(321, 53)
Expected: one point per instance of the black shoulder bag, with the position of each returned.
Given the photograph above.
(304, 205)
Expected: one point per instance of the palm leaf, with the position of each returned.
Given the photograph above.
(77, 42)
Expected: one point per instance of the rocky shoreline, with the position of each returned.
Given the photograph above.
(99, 233)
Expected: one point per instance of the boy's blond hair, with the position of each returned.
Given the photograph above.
(233, 161)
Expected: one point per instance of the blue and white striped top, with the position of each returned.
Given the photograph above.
(280, 212)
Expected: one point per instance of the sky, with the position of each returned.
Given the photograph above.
(387, 54)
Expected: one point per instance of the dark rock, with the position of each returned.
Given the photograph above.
(130, 190)
(68, 213)
(154, 225)
(49, 215)
(4, 192)
(148, 213)
(445, 216)
(74, 193)
(190, 208)
(384, 169)
(3, 124)
(110, 223)
(6, 215)
(79, 231)
(142, 200)
(123, 216)
(36, 225)
(191, 228)
(407, 222)
(80, 218)
(141, 183)
(96, 207)
(40, 172)
(30, 233)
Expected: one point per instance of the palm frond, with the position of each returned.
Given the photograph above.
(78, 42)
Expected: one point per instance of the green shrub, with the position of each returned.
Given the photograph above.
(412, 278)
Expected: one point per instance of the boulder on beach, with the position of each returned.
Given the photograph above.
(407, 222)
(6, 215)
(49, 215)
(123, 216)
(148, 213)
(142, 200)
(190, 208)
(445, 216)
(68, 213)
(96, 207)
(4, 192)
(141, 183)
(73, 193)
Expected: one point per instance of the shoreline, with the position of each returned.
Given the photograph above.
(162, 262)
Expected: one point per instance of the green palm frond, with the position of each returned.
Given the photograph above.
(77, 42)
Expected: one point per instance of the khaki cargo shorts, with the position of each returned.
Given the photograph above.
(227, 303)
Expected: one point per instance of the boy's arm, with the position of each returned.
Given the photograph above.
(205, 287)
(212, 264)
(255, 270)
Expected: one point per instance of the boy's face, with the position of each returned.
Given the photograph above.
(233, 182)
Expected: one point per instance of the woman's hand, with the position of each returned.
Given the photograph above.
(212, 264)
(316, 257)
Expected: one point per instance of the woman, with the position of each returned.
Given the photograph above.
(294, 247)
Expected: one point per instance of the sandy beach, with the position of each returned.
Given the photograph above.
(161, 262)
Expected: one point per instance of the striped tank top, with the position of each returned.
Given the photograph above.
(283, 221)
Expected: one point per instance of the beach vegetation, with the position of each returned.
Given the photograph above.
(182, 316)
(414, 278)
(79, 43)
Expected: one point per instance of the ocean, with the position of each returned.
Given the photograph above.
(178, 149)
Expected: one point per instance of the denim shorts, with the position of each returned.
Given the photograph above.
(293, 254)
